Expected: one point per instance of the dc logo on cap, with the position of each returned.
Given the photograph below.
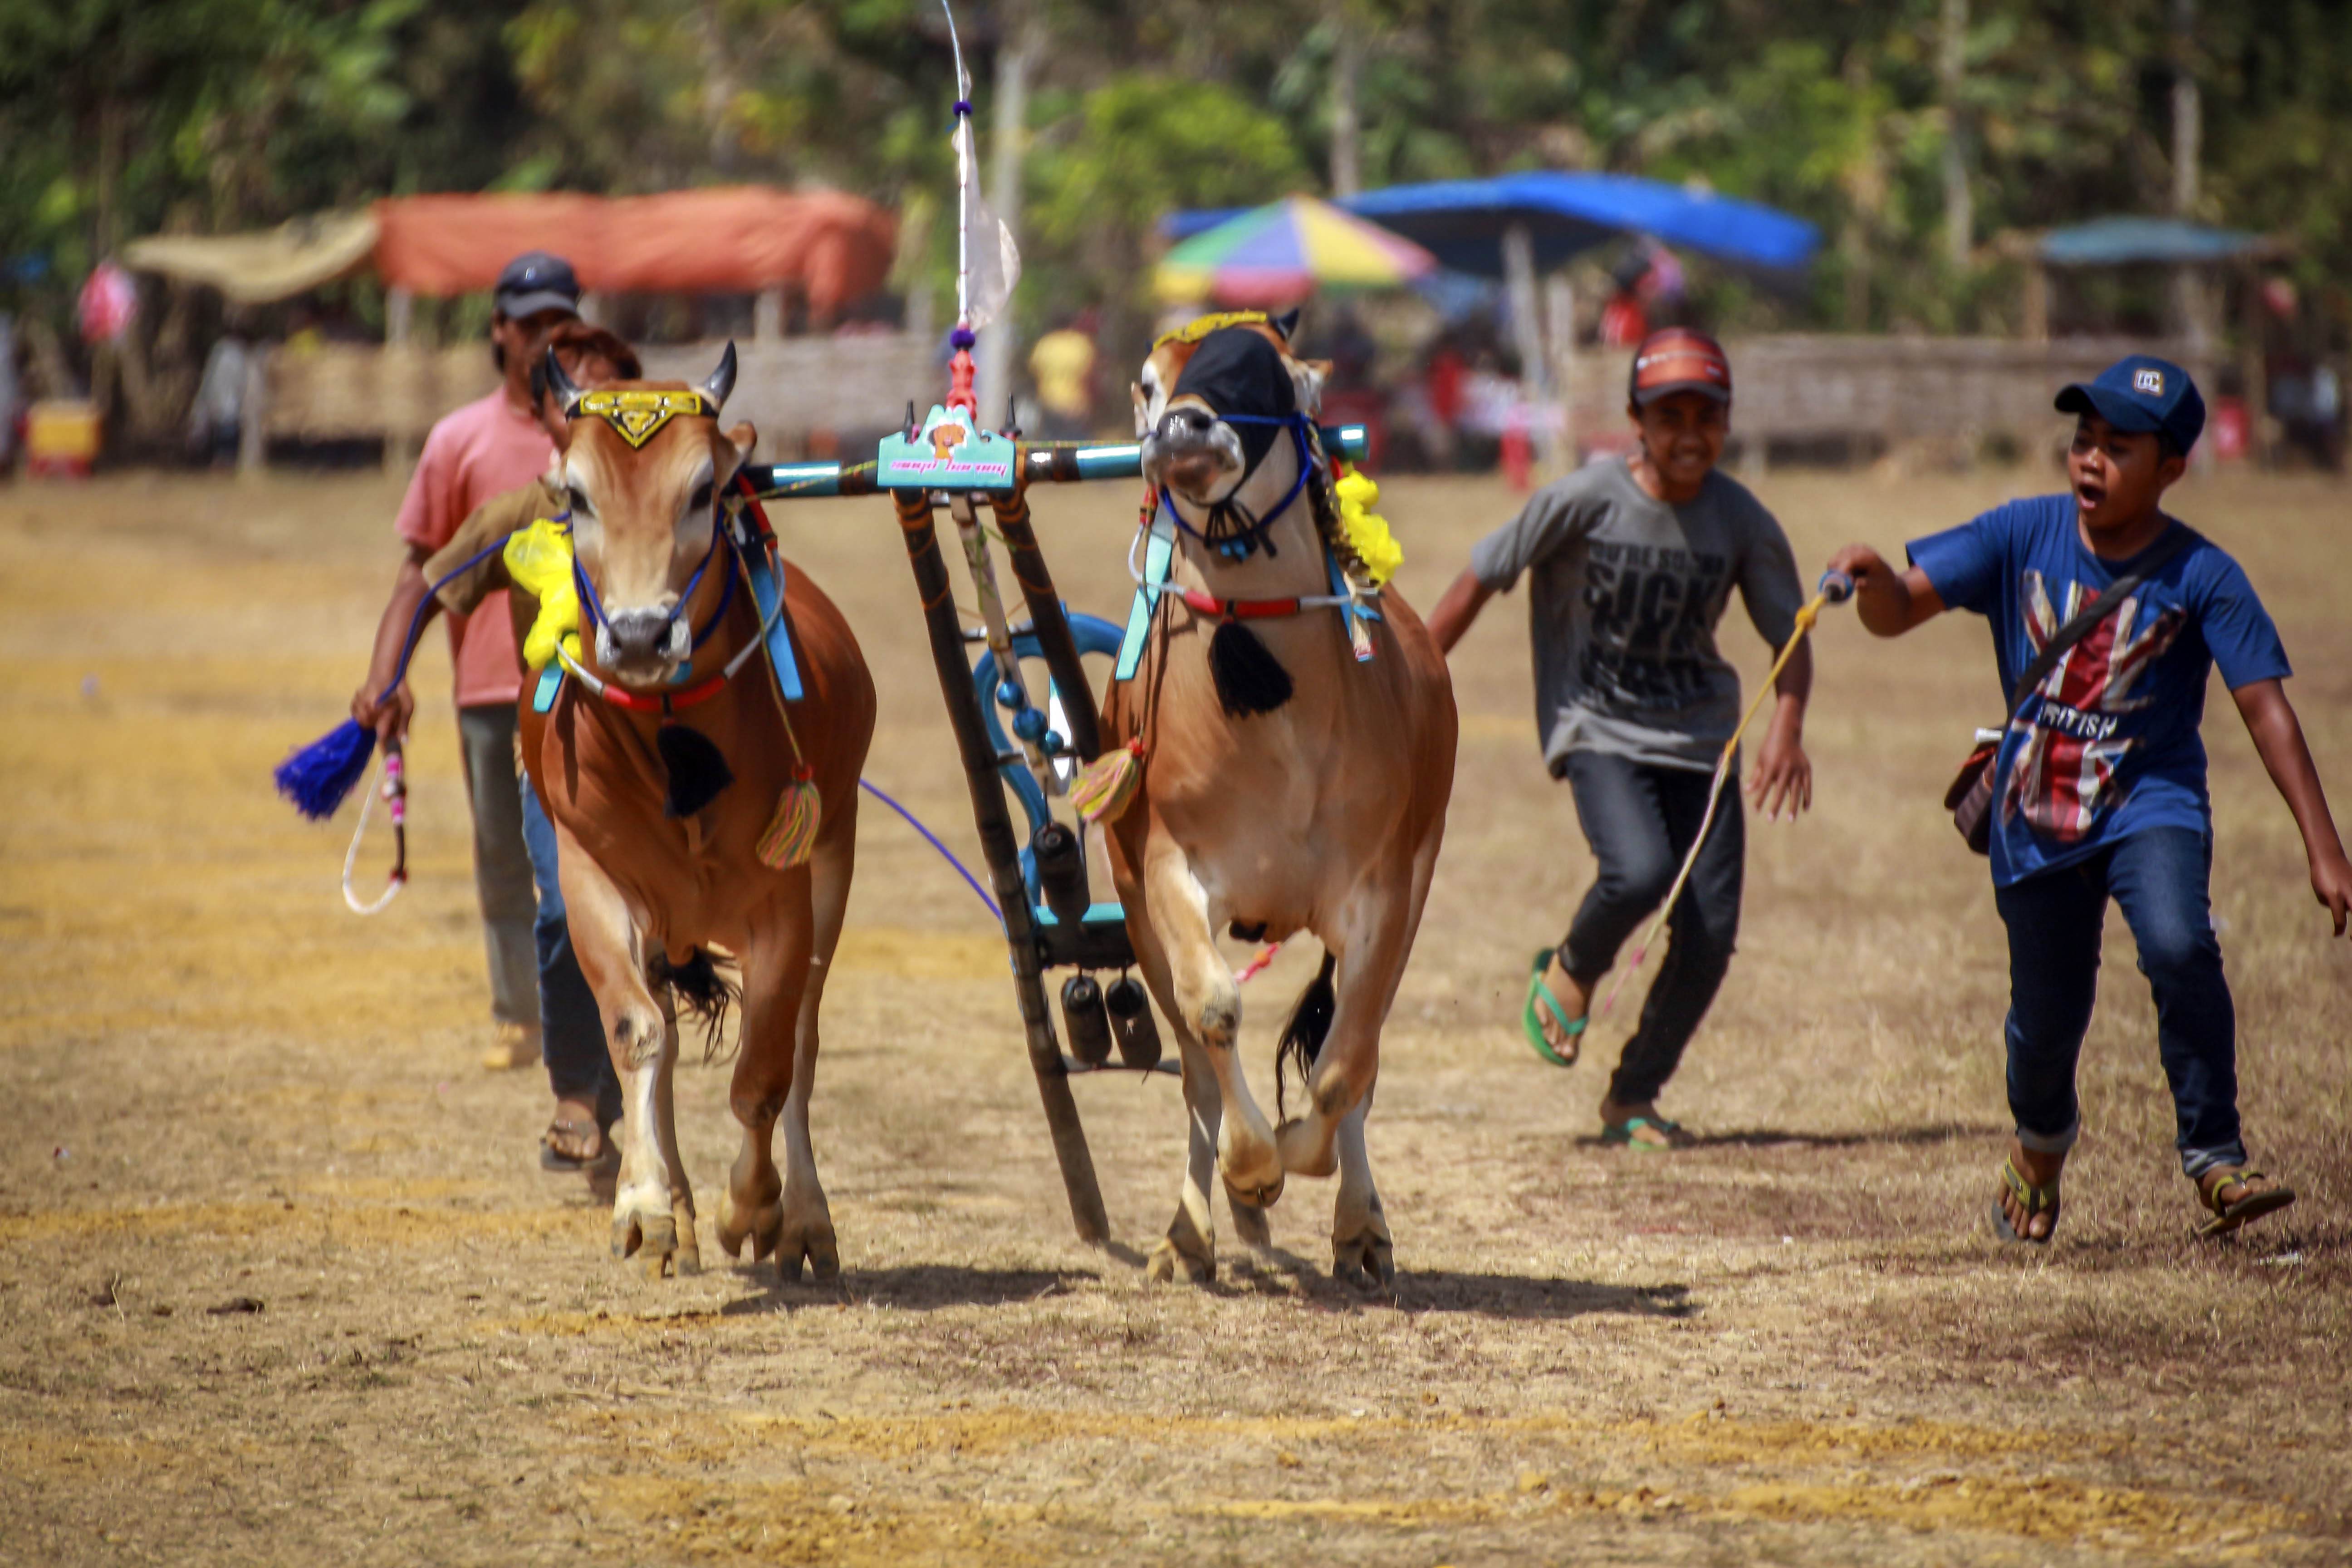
(2148, 381)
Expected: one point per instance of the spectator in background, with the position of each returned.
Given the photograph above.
(215, 419)
(1063, 363)
(10, 397)
(1623, 322)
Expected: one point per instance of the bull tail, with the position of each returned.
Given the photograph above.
(703, 992)
(1302, 1038)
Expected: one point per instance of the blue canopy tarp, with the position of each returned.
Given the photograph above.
(2145, 241)
(1463, 222)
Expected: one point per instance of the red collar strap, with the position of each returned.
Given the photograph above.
(643, 702)
(1249, 609)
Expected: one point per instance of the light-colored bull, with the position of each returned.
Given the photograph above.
(1322, 815)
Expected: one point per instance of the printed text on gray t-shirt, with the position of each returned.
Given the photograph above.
(1625, 593)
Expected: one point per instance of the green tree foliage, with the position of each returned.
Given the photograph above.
(1124, 154)
(122, 117)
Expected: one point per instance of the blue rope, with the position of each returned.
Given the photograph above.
(423, 608)
(932, 839)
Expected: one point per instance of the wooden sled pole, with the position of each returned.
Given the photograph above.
(917, 523)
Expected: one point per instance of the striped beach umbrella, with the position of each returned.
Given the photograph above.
(1279, 254)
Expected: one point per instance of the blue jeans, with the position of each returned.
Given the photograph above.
(578, 1066)
(2158, 877)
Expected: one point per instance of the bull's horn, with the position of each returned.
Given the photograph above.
(567, 394)
(1287, 324)
(722, 380)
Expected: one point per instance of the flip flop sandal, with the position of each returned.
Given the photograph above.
(2033, 1200)
(1538, 992)
(1619, 1135)
(2228, 1217)
(569, 1145)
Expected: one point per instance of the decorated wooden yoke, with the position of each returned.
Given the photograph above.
(1010, 741)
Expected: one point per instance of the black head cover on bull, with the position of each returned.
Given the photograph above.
(1236, 371)
(1244, 381)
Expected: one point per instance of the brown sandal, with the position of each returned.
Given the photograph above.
(2251, 1203)
(569, 1145)
(2032, 1200)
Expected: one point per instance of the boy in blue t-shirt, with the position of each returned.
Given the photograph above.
(2099, 787)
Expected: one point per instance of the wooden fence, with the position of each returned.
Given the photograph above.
(1869, 390)
(815, 396)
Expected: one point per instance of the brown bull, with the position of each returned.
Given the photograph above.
(1286, 785)
(656, 867)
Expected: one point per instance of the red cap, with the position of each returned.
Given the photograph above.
(1680, 359)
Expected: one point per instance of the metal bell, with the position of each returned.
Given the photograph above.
(1085, 1020)
(1062, 873)
(1131, 1022)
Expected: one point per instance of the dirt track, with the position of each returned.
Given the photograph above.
(1795, 1343)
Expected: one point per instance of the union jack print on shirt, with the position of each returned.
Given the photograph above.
(2062, 779)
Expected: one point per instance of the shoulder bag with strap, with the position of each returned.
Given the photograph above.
(1969, 800)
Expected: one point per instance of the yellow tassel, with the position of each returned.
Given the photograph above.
(1368, 534)
(1103, 786)
(790, 837)
(539, 560)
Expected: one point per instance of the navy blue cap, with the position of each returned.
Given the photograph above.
(2138, 394)
(536, 281)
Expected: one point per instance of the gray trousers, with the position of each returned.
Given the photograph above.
(501, 862)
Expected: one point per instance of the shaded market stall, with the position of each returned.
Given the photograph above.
(2194, 253)
(1518, 228)
(824, 250)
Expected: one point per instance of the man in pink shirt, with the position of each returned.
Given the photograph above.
(486, 448)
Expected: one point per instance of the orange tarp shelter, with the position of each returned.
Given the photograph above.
(734, 239)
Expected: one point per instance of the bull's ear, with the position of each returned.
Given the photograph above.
(567, 392)
(743, 438)
(721, 384)
(1306, 379)
(1142, 409)
(1287, 323)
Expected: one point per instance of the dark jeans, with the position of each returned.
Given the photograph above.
(2054, 920)
(579, 1065)
(1641, 820)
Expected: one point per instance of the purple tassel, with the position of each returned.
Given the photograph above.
(318, 776)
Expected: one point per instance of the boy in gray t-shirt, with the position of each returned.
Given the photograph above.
(1634, 563)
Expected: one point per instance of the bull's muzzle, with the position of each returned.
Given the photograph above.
(1190, 450)
(642, 640)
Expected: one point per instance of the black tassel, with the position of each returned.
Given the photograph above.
(702, 991)
(1302, 1038)
(1249, 679)
(697, 770)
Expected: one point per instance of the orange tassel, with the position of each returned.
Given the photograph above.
(1105, 786)
(790, 837)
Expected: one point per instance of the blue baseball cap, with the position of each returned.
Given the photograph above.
(536, 281)
(2140, 394)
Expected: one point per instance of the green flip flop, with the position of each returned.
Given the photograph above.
(1619, 1135)
(1539, 992)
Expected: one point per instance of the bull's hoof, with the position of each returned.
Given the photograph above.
(761, 1227)
(1263, 1195)
(1251, 1228)
(1173, 1262)
(814, 1244)
(652, 1240)
(1366, 1260)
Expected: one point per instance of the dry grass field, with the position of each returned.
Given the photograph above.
(280, 1281)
